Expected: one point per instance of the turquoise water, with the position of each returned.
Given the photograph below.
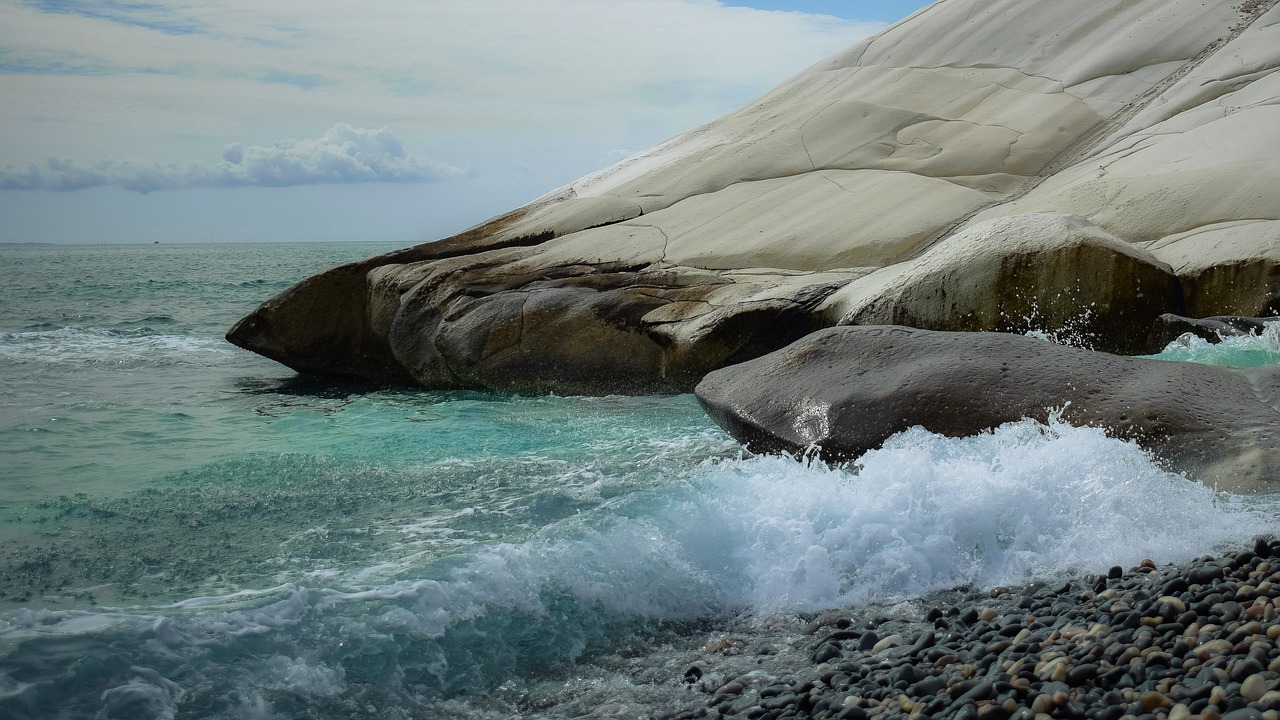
(193, 531)
(1237, 351)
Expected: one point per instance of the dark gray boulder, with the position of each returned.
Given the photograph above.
(847, 389)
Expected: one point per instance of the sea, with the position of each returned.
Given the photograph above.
(192, 531)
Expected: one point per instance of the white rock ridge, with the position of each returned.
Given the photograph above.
(1153, 124)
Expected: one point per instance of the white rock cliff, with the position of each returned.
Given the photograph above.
(982, 165)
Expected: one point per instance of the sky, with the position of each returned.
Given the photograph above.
(393, 120)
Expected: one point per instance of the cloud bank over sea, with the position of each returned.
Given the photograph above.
(344, 154)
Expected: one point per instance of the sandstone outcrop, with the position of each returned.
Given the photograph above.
(845, 390)
(1144, 134)
(1018, 274)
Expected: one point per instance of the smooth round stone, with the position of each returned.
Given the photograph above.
(1154, 700)
(1254, 687)
(1204, 574)
(868, 641)
(1082, 674)
(731, 688)
(1244, 668)
(852, 712)
(890, 642)
(826, 652)
(908, 673)
(780, 701)
(929, 686)
(998, 647)
(1215, 647)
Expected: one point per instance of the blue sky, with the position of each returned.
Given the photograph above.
(398, 120)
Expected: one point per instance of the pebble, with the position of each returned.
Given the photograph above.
(890, 642)
(1195, 641)
(1254, 687)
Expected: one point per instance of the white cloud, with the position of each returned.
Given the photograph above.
(526, 95)
(344, 154)
(443, 73)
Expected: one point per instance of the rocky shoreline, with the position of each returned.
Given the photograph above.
(1003, 166)
(1096, 170)
(1200, 639)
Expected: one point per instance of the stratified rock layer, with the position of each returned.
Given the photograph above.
(1080, 166)
(845, 390)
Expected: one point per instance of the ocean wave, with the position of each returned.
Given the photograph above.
(142, 346)
(926, 512)
(146, 323)
(923, 513)
(755, 535)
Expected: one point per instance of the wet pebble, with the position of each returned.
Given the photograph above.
(1196, 641)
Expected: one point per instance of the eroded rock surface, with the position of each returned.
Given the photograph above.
(847, 389)
(853, 193)
(1018, 274)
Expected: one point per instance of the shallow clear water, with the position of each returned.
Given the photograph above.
(195, 532)
(1237, 351)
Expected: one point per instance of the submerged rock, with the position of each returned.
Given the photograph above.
(845, 390)
(1055, 166)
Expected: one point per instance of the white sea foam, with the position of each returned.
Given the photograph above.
(923, 513)
(1249, 350)
(297, 677)
(927, 512)
(146, 695)
(102, 346)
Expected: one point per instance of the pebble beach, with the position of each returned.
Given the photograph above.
(1192, 640)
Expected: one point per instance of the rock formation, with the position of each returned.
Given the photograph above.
(983, 165)
(845, 390)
